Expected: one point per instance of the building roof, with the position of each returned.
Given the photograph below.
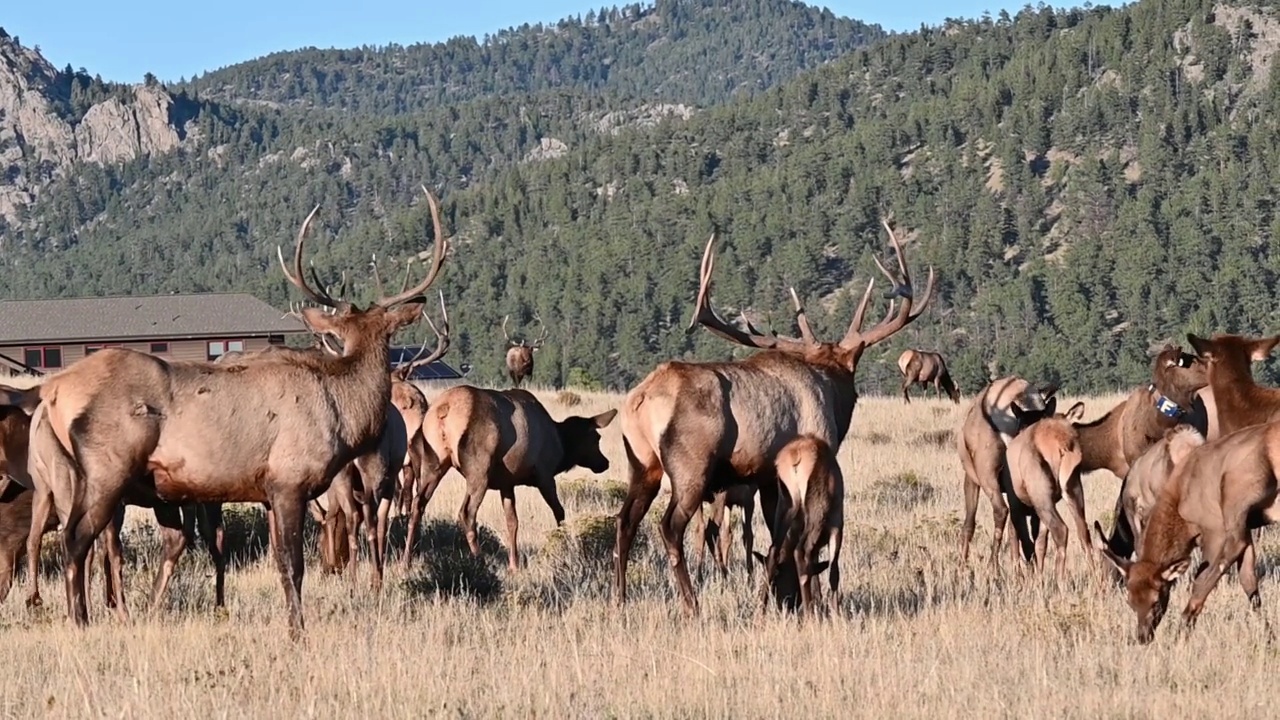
(438, 370)
(162, 317)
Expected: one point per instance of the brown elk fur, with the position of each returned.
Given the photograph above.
(15, 494)
(709, 425)
(1216, 496)
(269, 432)
(998, 413)
(1044, 467)
(810, 516)
(520, 353)
(920, 367)
(717, 533)
(1151, 472)
(498, 439)
(1240, 401)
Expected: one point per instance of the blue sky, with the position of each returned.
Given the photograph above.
(122, 42)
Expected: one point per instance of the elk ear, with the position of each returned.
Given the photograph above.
(319, 321)
(606, 417)
(1203, 347)
(1174, 570)
(1049, 390)
(1075, 412)
(1050, 407)
(405, 314)
(1121, 564)
(1261, 348)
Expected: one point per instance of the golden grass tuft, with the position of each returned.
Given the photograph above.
(915, 633)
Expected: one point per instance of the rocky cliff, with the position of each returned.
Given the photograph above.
(44, 130)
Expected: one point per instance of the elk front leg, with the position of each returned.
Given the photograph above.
(173, 539)
(289, 506)
(84, 524)
(212, 532)
(748, 534)
(508, 494)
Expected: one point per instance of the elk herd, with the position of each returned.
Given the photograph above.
(332, 432)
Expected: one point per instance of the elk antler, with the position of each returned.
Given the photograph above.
(541, 338)
(442, 343)
(704, 315)
(437, 258)
(297, 277)
(901, 287)
(510, 342)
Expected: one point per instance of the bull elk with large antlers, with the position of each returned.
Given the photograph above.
(709, 425)
(520, 353)
(269, 432)
(921, 368)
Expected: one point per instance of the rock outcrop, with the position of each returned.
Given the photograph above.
(40, 137)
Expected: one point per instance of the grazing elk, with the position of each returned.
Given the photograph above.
(1216, 496)
(1150, 473)
(412, 405)
(999, 412)
(498, 439)
(1044, 467)
(710, 425)
(919, 367)
(520, 353)
(717, 532)
(810, 516)
(269, 432)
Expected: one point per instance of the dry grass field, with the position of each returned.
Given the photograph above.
(915, 634)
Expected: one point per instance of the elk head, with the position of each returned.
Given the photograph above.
(1230, 355)
(520, 353)
(360, 330)
(580, 438)
(1175, 378)
(1148, 585)
(785, 584)
(843, 354)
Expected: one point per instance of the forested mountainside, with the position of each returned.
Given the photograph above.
(1086, 181)
(683, 51)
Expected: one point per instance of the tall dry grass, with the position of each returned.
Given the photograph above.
(915, 635)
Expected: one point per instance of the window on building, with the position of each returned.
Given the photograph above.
(45, 358)
(218, 348)
(91, 349)
(159, 348)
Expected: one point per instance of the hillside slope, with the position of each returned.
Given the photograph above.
(1087, 182)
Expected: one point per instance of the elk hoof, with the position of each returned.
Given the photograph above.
(35, 601)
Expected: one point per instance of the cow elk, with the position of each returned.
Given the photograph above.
(1044, 467)
(717, 532)
(997, 415)
(710, 425)
(520, 353)
(498, 439)
(810, 516)
(269, 432)
(922, 368)
(1216, 497)
(1241, 402)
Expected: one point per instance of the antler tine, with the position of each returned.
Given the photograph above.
(377, 277)
(442, 338)
(297, 277)
(507, 337)
(437, 257)
(408, 265)
(542, 338)
(806, 332)
(860, 315)
(704, 315)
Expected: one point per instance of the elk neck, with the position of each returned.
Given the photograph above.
(1098, 438)
(1168, 537)
(361, 387)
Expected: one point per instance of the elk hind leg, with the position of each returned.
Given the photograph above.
(642, 487)
(212, 532)
(674, 522)
(748, 534)
(1074, 497)
(41, 511)
(429, 479)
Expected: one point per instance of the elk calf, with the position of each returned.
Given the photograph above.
(997, 415)
(1151, 472)
(919, 367)
(1044, 467)
(716, 533)
(498, 439)
(810, 515)
(1216, 496)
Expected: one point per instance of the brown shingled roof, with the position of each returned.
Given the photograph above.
(147, 317)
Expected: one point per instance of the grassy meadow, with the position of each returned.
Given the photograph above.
(914, 634)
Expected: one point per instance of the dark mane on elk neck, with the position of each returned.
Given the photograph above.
(708, 425)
